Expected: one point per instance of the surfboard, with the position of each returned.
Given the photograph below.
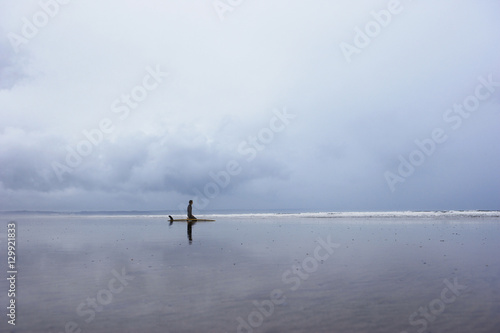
(193, 220)
(189, 220)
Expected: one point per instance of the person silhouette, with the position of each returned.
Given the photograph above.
(190, 210)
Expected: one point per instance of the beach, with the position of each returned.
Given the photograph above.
(319, 272)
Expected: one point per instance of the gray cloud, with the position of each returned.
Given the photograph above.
(354, 120)
(11, 66)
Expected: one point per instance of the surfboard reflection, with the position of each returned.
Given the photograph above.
(190, 223)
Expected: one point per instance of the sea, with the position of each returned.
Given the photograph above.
(425, 271)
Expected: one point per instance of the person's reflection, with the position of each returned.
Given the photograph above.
(190, 231)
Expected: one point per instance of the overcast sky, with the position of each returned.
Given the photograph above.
(285, 104)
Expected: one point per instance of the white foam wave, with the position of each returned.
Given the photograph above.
(395, 214)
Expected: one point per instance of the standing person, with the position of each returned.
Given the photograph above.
(190, 210)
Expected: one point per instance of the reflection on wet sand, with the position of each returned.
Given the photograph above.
(386, 273)
(189, 229)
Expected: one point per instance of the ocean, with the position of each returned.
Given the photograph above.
(253, 272)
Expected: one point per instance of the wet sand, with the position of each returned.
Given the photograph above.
(255, 274)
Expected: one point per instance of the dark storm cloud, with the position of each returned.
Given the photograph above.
(136, 162)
